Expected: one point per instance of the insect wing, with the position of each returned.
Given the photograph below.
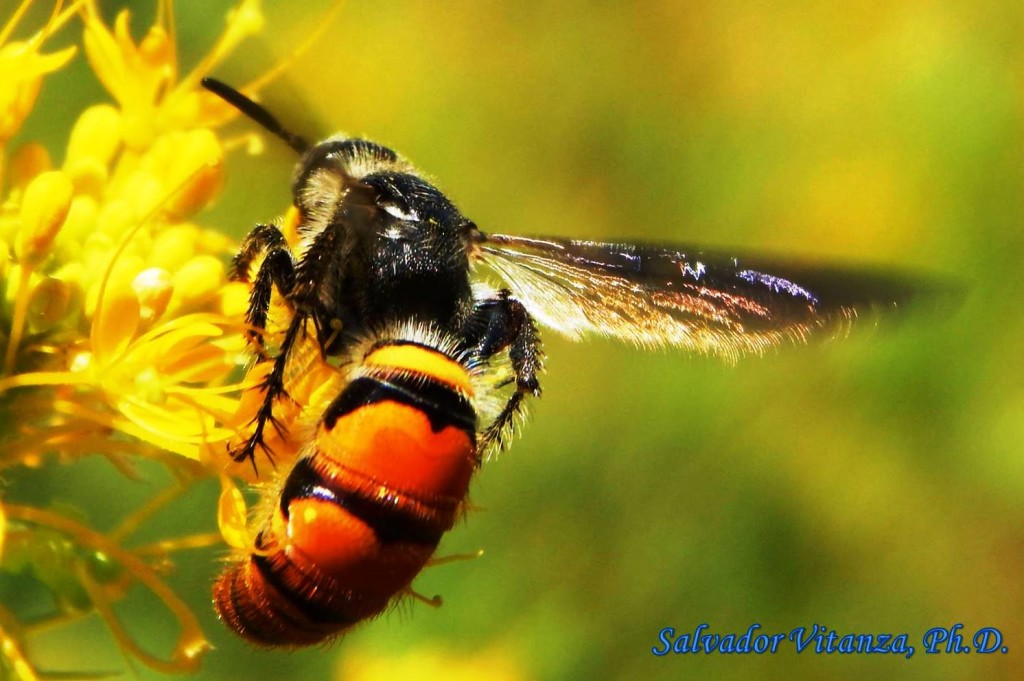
(671, 296)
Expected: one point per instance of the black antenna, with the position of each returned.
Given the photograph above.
(255, 112)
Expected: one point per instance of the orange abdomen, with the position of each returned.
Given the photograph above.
(359, 517)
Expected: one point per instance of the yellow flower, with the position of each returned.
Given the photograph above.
(143, 78)
(116, 291)
(119, 332)
(22, 68)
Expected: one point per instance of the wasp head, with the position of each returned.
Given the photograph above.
(401, 246)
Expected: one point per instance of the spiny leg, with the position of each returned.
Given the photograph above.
(273, 388)
(277, 269)
(505, 323)
(304, 279)
(261, 239)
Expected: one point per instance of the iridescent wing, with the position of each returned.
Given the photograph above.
(675, 296)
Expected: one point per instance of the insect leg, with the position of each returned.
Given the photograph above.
(301, 280)
(273, 388)
(454, 558)
(277, 269)
(435, 602)
(507, 325)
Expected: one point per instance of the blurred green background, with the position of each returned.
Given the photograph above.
(869, 485)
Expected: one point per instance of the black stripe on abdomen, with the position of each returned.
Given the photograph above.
(317, 605)
(389, 523)
(442, 405)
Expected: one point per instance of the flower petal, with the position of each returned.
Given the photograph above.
(232, 515)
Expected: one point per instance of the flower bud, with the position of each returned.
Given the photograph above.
(154, 287)
(198, 280)
(52, 300)
(43, 210)
(96, 136)
(195, 175)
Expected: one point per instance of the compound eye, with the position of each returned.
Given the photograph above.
(396, 211)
